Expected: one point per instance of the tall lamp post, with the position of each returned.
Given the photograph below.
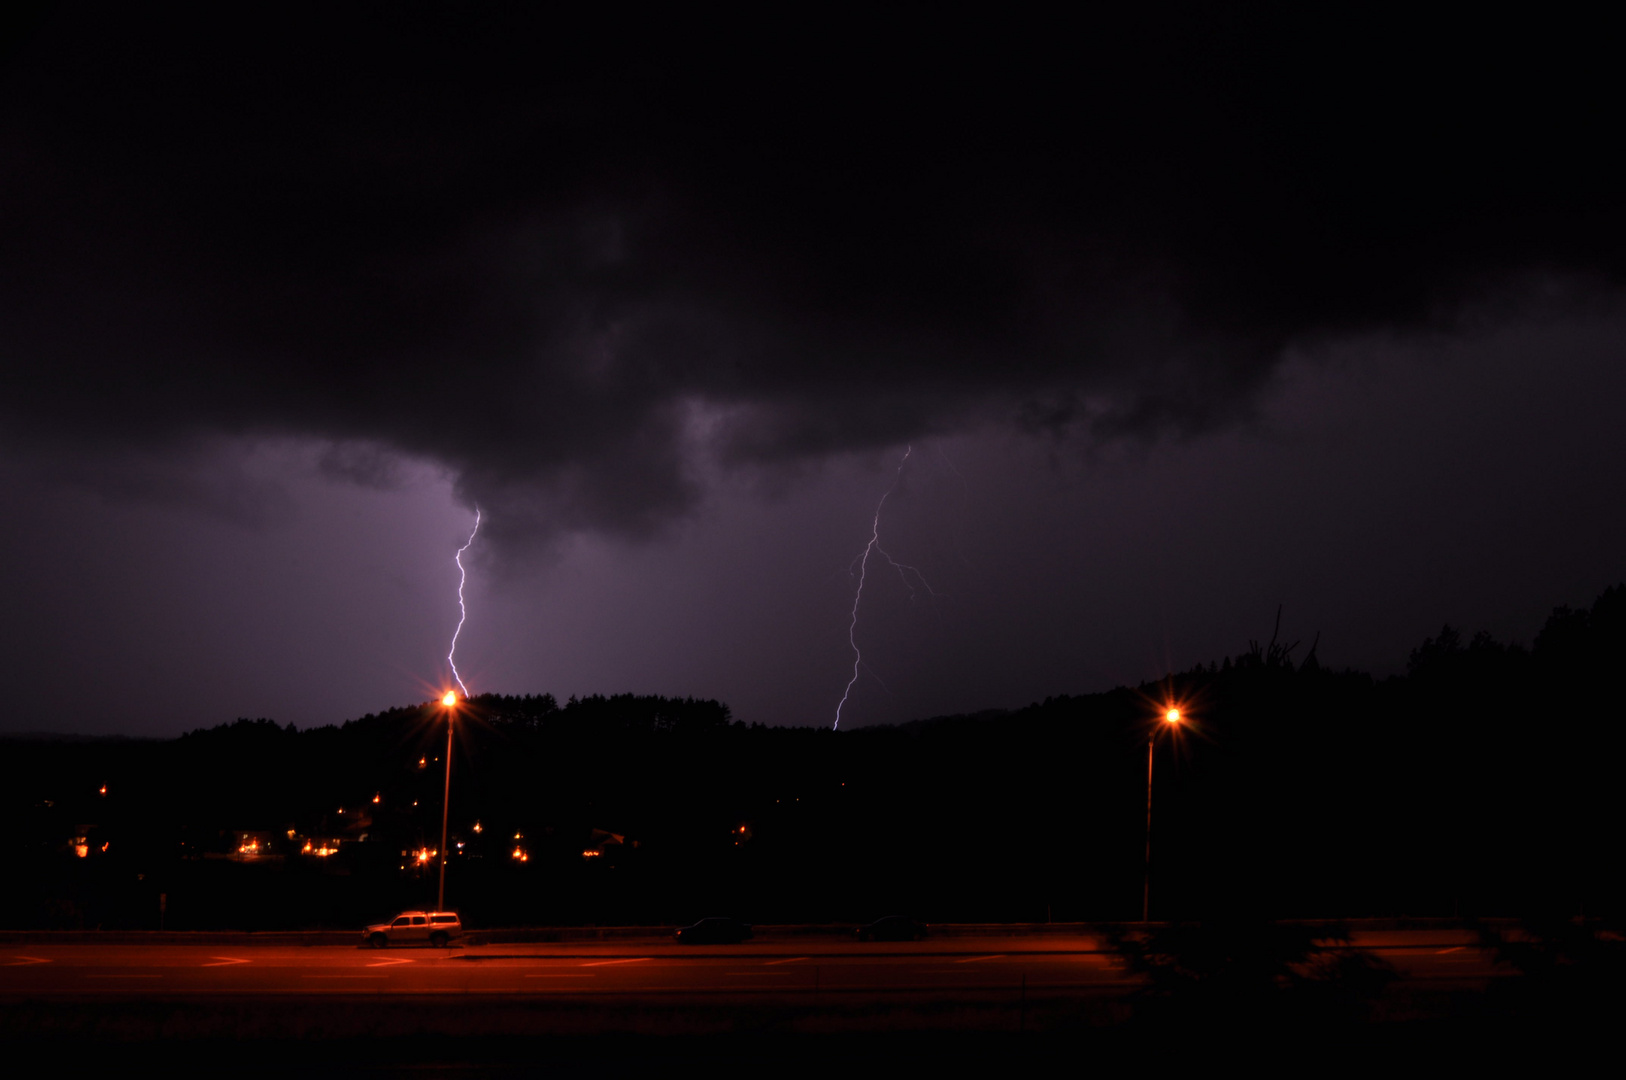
(1172, 718)
(450, 701)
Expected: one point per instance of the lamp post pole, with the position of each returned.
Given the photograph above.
(1146, 891)
(450, 701)
(1172, 717)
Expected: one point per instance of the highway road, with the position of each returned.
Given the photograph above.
(789, 969)
(788, 1005)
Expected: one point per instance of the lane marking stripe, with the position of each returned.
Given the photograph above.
(391, 963)
(227, 961)
(1457, 948)
(24, 961)
(979, 959)
(792, 960)
(607, 963)
(781, 986)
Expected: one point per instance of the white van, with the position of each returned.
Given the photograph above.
(434, 928)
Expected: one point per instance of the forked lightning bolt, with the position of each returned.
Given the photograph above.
(462, 612)
(862, 561)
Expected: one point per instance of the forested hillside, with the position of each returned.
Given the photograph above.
(1483, 781)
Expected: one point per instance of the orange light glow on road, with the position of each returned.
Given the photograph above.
(450, 698)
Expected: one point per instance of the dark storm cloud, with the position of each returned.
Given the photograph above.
(568, 258)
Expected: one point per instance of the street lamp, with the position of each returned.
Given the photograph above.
(1172, 719)
(450, 702)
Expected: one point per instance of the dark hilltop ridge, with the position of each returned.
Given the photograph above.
(1483, 781)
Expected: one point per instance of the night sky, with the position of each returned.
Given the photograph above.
(1180, 316)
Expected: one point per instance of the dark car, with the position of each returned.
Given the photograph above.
(892, 928)
(714, 931)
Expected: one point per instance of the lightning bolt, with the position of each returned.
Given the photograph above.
(862, 562)
(462, 611)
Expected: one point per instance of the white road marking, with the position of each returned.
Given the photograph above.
(1457, 948)
(397, 960)
(24, 961)
(607, 963)
(780, 986)
(792, 960)
(979, 959)
(228, 961)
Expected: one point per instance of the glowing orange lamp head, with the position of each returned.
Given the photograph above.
(450, 698)
(1172, 716)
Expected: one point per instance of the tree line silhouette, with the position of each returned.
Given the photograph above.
(1481, 782)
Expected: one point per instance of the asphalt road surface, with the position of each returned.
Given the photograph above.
(785, 969)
